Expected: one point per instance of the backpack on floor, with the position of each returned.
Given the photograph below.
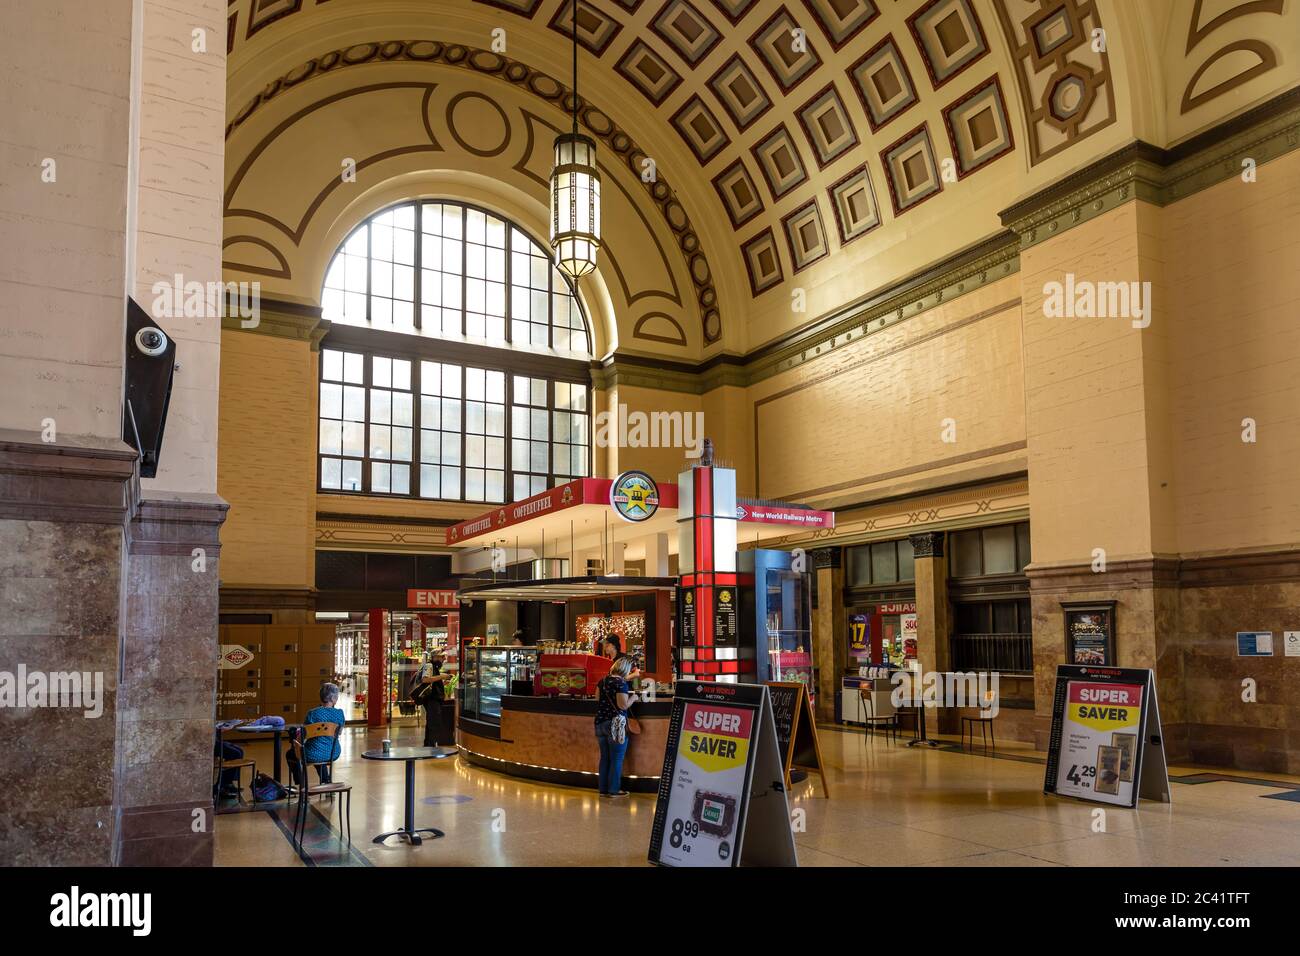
(267, 790)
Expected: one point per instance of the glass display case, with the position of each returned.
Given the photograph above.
(488, 673)
(782, 618)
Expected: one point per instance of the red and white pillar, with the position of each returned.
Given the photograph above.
(709, 645)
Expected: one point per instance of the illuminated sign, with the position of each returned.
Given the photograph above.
(634, 495)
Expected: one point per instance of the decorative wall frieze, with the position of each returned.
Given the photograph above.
(958, 508)
(388, 535)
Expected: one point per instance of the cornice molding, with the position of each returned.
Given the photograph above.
(284, 320)
(90, 480)
(176, 524)
(1158, 176)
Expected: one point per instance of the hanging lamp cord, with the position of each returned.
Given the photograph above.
(575, 66)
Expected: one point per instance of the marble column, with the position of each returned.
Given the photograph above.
(830, 629)
(931, 602)
(63, 510)
(168, 681)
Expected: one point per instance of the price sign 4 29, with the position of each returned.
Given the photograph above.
(1078, 774)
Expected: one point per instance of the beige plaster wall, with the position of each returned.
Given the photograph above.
(66, 96)
(1233, 266)
(872, 414)
(178, 231)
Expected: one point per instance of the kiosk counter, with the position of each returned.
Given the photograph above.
(503, 723)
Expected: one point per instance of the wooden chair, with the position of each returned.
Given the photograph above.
(307, 789)
(220, 764)
(985, 721)
(888, 721)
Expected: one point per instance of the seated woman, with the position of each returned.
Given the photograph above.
(324, 748)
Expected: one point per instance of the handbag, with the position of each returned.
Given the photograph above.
(633, 725)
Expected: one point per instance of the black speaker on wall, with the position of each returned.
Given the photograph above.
(150, 364)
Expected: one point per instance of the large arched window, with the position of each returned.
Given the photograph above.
(480, 278)
(465, 379)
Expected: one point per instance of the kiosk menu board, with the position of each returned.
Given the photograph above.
(722, 796)
(1106, 742)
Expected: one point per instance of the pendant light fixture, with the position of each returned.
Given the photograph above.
(575, 191)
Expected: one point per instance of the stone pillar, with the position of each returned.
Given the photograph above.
(830, 629)
(166, 695)
(931, 601)
(63, 512)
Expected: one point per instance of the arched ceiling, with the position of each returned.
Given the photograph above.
(889, 132)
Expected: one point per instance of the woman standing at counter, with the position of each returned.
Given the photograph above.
(613, 700)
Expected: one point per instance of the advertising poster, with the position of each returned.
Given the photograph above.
(722, 792)
(907, 624)
(1099, 741)
(859, 635)
(708, 785)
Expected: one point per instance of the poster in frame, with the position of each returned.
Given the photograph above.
(1090, 633)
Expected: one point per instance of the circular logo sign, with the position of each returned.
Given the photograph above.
(634, 495)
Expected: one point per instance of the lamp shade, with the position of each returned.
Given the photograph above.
(575, 204)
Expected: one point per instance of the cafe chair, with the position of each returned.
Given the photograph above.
(985, 721)
(888, 721)
(221, 764)
(306, 789)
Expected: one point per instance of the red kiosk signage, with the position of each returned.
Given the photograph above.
(709, 645)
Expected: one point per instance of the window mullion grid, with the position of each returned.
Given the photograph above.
(417, 399)
(365, 386)
(464, 268)
(417, 307)
(464, 412)
(550, 427)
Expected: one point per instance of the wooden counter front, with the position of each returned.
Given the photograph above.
(552, 739)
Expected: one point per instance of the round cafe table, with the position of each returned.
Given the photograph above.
(410, 755)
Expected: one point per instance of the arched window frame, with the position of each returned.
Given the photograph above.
(428, 260)
(539, 387)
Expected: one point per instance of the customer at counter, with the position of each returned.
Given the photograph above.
(613, 700)
(429, 693)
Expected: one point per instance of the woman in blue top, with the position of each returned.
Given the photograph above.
(613, 697)
(324, 748)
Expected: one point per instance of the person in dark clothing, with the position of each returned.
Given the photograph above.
(611, 647)
(613, 698)
(430, 677)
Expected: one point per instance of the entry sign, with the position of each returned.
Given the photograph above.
(722, 794)
(424, 599)
(1106, 743)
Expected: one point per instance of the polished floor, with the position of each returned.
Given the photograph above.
(889, 806)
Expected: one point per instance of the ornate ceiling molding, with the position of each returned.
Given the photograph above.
(1159, 176)
(542, 86)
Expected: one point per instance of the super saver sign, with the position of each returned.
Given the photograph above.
(1100, 735)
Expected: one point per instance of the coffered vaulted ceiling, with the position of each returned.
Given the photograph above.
(779, 132)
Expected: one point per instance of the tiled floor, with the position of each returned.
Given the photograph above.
(889, 805)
